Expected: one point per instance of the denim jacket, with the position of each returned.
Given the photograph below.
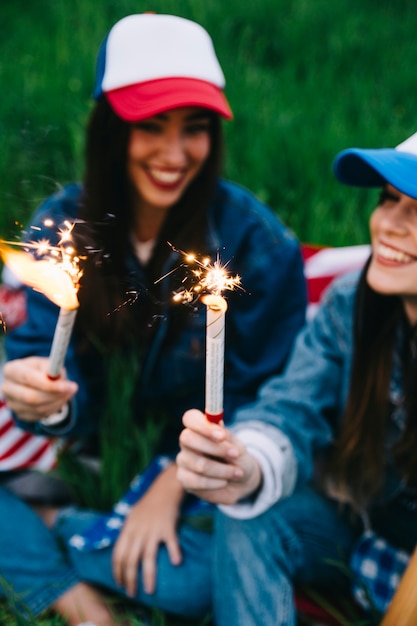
(297, 414)
(261, 322)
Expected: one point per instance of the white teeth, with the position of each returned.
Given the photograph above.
(393, 255)
(167, 178)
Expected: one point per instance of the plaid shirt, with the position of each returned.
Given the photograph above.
(377, 568)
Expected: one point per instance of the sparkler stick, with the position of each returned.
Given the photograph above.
(60, 342)
(216, 309)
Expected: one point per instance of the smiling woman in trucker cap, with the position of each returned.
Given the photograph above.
(152, 176)
(328, 451)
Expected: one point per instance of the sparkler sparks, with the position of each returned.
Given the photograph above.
(51, 269)
(204, 278)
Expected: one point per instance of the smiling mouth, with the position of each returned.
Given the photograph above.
(165, 177)
(391, 254)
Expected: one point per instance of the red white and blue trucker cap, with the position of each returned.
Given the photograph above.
(373, 168)
(150, 63)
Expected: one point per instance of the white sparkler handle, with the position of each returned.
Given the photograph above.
(216, 309)
(60, 342)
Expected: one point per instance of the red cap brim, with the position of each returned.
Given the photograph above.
(137, 102)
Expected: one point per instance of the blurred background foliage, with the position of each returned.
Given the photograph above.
(305, 78)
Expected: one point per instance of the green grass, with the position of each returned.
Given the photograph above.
(305, 78)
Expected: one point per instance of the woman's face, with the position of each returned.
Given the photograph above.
(393, 268)
(165, 154)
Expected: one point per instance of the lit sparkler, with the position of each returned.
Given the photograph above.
(56, 274)
(205, 278)
(208, 281)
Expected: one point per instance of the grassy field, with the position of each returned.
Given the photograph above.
(305, 78)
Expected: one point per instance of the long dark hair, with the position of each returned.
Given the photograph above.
(359, 461)
(106, 220)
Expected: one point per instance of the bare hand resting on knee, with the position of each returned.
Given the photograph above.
(213, 464)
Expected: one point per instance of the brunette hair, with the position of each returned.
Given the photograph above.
(358, 463)
(106, 220)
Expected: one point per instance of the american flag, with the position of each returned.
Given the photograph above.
(18, 448)
(22, 450)
(322, 265)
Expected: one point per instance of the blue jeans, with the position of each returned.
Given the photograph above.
(257, 561)
(34, 569)
(183, 589)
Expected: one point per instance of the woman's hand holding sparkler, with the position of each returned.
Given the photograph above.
(213, 464)
(30, 393)
(151, 522)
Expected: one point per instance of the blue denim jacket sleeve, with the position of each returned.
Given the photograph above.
(307, 402)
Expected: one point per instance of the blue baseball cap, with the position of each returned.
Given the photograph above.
(397, 166)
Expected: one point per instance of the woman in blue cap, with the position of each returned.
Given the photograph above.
(152, 177)
(319, 474)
